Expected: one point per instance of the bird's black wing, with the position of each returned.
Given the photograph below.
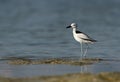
(92, 40)
(78, 31)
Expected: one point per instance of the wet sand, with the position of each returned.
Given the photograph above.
(77, 77)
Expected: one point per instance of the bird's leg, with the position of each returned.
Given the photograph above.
(81, 50)
(86, 50)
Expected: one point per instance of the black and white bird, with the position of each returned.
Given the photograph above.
(81, 38)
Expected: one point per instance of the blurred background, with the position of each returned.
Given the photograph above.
(37, 28)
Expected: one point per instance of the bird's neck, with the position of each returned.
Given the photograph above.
(74, 29)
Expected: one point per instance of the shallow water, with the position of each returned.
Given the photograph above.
(17, 69)
(37, 29)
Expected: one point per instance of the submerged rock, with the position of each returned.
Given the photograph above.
(54, 61)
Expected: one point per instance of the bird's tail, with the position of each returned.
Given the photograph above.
(93, 40)
(90, 40)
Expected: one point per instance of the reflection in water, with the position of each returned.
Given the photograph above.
(84, 69)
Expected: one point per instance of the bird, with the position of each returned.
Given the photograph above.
(82, 38)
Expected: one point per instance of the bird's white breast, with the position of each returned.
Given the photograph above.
(76, 37)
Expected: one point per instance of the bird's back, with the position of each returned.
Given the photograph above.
(82, 37)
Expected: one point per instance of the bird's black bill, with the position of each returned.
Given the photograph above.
(68, 27)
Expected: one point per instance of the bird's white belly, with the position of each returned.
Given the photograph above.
(77, 38)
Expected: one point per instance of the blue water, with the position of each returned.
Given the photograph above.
(38, 28)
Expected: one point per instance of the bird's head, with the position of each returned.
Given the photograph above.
(73, 25)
